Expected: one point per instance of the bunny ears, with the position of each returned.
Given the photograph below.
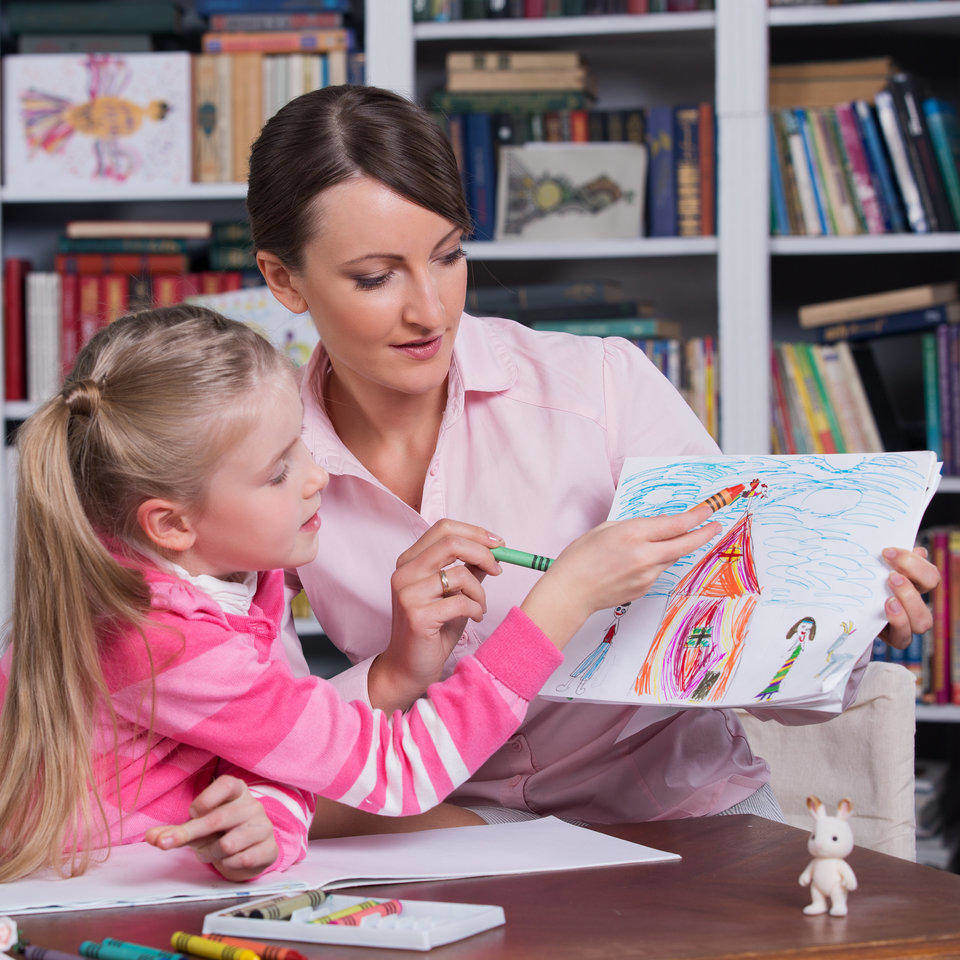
(818, 811)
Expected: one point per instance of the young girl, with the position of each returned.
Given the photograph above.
(145, 665)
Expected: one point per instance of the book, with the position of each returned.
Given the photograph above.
(15, 272)
(953, 612)
(931, 390)
(687, 172)
(614, 327)
(246, 121)
(481, 182)
(940, 679)
(56, 131)
(662, 189)
(244, 22)
(469, 81)
(564, 312)
(212, 115)
(186, 229)
(878, 304)
(708, 152)
(897, 150)
(92, 16)
(121, 245)
(815, 168)
(507, 102)
(84, 43)
(945, 137)
(499, 60)
(909, 321)
(859, 168)
(866, 422)
(120, 263)
(42, 306)
(880, 172)
(500, 301)
(944, 389)
(279, 41)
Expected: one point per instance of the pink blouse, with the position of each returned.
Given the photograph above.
(535, 430)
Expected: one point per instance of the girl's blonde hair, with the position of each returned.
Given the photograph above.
(153, 402)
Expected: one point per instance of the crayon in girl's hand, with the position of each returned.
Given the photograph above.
(520, 559)
(267, 951)
(724, 498)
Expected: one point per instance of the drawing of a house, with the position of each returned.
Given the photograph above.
(698, 643)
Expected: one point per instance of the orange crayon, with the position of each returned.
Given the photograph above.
(384, 909)
(725, 497)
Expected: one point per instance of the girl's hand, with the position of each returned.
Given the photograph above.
(611, 564)
(426, 625)
(906, 612)
(229, 829)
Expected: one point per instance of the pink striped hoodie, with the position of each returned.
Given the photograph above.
(224, 701)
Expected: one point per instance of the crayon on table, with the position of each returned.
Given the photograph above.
(143, 951)
(279, 908)
(386, 909)
(115, 951)
(44, 953)
(520, 559)
(267, 951)
(209, 949)
(345, 912)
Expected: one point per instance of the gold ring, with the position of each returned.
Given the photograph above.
(444, 583)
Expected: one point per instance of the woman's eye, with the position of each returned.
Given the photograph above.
(371, 283)
(280, 477)
(453, 257)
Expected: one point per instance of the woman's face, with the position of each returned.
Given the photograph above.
(385, 281)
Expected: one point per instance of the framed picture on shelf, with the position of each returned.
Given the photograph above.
(550, 191)
(92, 122)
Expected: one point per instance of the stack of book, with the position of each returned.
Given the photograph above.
(855, 147)
(600, 308)
(934, 656)
(496, 99)
(483, 9)
(103, 270)
(930, 310)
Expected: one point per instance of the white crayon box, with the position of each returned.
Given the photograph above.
(420, 925)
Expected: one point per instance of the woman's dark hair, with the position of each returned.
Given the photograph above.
(328, 136)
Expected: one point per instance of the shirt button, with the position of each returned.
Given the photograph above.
(517, 745)
(433, 470)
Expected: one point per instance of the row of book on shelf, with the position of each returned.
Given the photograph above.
(856, 147)
(934, 657)
(427, 10)
(830, 396)
(497, 101)
(173, 117)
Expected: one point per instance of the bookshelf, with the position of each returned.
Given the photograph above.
(872, 13)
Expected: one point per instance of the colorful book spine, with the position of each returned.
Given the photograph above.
(708, 166)
(931, 393)
(953, 345)
(611, 328)
(69, 321)
(481, 174)
(946, 407)
(953, 604)
(909, 321)
(816, 173)
(824, 416)
(940, 679)
(686, 135)
(848, 180)
(883, 182)
(662, 192)
(945, 137)
(279, 41)
(897, 148)
(779, 217)
(14, 328)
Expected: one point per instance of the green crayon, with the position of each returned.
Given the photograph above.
(114, 951)
(520, 559)
(142, 950)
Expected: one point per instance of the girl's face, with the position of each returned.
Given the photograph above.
(803, 632)
(261, 509)
(385, 282)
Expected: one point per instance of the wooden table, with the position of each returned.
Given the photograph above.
(735, 894)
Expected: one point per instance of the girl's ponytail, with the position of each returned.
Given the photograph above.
(56, 684)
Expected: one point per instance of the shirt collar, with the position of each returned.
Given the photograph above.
(481, 363)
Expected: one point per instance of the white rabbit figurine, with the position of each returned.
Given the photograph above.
(827, 874)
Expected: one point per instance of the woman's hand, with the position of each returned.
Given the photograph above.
(426, 624)
(907, 614)
(612, 564)
(229, 829)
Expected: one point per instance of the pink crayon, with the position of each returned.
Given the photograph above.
(385, 909)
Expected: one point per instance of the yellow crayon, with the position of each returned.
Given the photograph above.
(209, 949)
(345, 912)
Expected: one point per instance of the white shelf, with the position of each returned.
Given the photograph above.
(19, 409)
(866, 243)
(187, 191)
(306, 626)
(864, 13)
(938, 712)
(533, 28)
(949, 485)
(591, 249)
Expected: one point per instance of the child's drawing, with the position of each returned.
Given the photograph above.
(107, 118)
(798, 556)
(804, 630)
(697, 646)
(837, 660)
(592, 662)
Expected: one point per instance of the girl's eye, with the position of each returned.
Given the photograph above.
(371, 283)
(280, 477)
(453, 257)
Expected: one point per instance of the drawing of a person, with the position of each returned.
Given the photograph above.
(804, 629)
(836, 661)
(589, 665)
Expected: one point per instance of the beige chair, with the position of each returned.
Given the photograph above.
(865, 753)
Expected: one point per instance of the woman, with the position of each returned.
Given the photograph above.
(419, 412)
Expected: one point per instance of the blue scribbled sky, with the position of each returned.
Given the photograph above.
(814, 533)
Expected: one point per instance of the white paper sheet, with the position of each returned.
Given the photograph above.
(137, 874)
(776, 610)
